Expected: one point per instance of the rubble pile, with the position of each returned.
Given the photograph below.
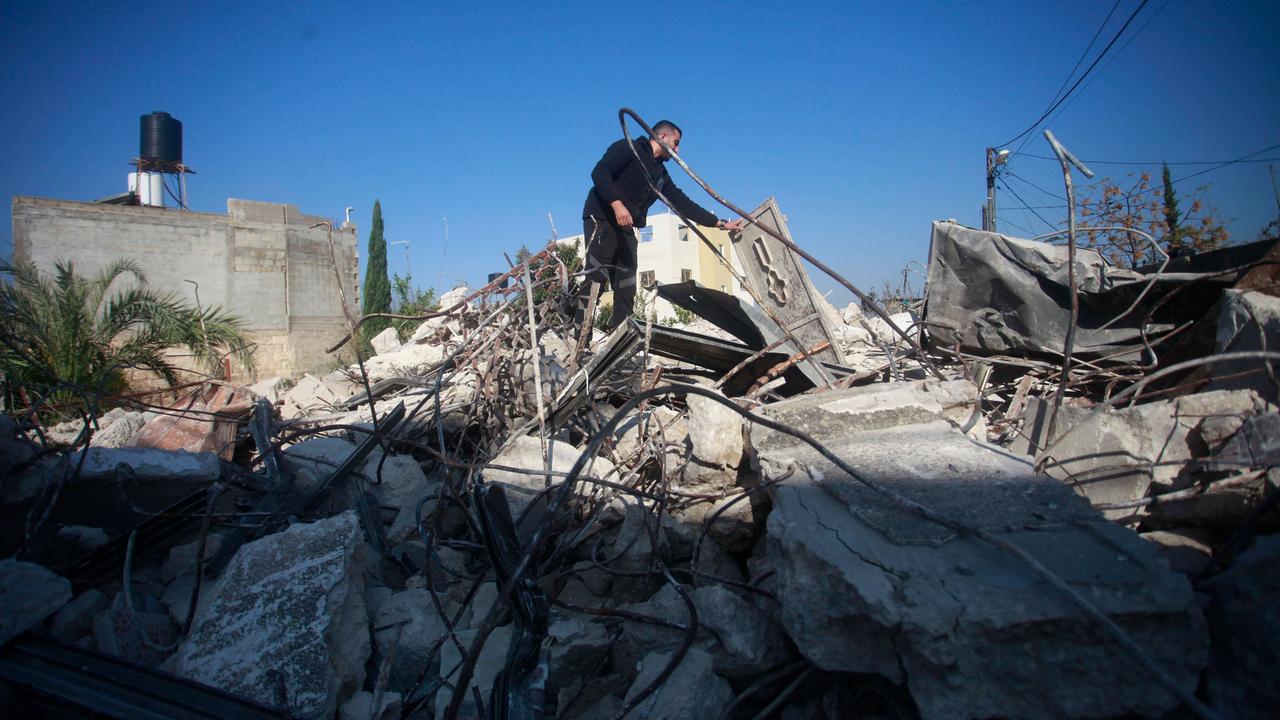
(789, 512)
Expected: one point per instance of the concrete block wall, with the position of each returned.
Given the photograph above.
(265, 262)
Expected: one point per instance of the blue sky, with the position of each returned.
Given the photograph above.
(865, 120)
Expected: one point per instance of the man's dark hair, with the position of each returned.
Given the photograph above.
(666, 125)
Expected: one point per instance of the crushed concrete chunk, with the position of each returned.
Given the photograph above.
(149, 464)
(1246, 634)
(385, 341)
(715, 432)
(746, 640)
(182, 558)
(526, 452)
(691, 692)
(492, 659)
(115, 429)
(577, 648)
(307, 396)
(1116, 456)
(360, 707)
(868, 587)
(1248, 320)
(408, 621)
(403, 481)
(75, 619)
(288, 611)
(29, 593)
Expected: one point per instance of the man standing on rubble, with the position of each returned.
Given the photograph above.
(618, 203)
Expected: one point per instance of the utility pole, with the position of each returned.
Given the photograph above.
(994, 161)
(989, 210)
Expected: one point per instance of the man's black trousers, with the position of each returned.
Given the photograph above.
(611, 255)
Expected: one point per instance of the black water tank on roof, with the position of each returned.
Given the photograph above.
(161, 138)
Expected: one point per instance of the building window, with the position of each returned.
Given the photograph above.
(646, 234)
(684, 233)
(685, 275)
(646, 278)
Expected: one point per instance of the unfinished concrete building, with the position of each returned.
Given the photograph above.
(284, 273)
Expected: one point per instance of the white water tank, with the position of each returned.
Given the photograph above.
(150, 190)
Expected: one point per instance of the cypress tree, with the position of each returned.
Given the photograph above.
(1172, 216)
(377, 288)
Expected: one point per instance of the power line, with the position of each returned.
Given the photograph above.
(1027, 205)
(1088, 70)
(1242, 158)
(1051, 194)
(1110, 60)
(1085, 54)
(1007, 221)
(1160, 187)
(1157, 162)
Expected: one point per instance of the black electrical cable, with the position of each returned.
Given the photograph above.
(1092, 65)
(1050, 193)
(1083, 55)
(1156, 162)
(1026, 205)
(1106, 65)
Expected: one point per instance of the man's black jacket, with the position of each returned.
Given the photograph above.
(618, 176)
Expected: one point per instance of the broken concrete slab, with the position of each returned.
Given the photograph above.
(405, 361)
(116, 428)
(385, 341)
(360, 706)
(734, 528)
(526, 452)
(638, 639)
(479, 607)
(868, 587)
(29, 593)
(307, 396)
(1187, 551)
(1247, 320)
(408, 623)
(492, 659)
(149, 465)
(272, 389)
(747, 641)
(1113, 456)
(1255, 444)
(599, 697)
(292, 601)
(888, 405)
(399, 481)
(343, 383)
(182, 558)
(1246, 634)
(322, 455)
(432, 331)
(577, 648)
(715, 432)
(692, 691)
(455, 297)
(75, 619)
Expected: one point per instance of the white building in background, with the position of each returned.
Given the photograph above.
(670, 252)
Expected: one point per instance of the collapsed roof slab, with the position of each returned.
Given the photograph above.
(867, 586)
